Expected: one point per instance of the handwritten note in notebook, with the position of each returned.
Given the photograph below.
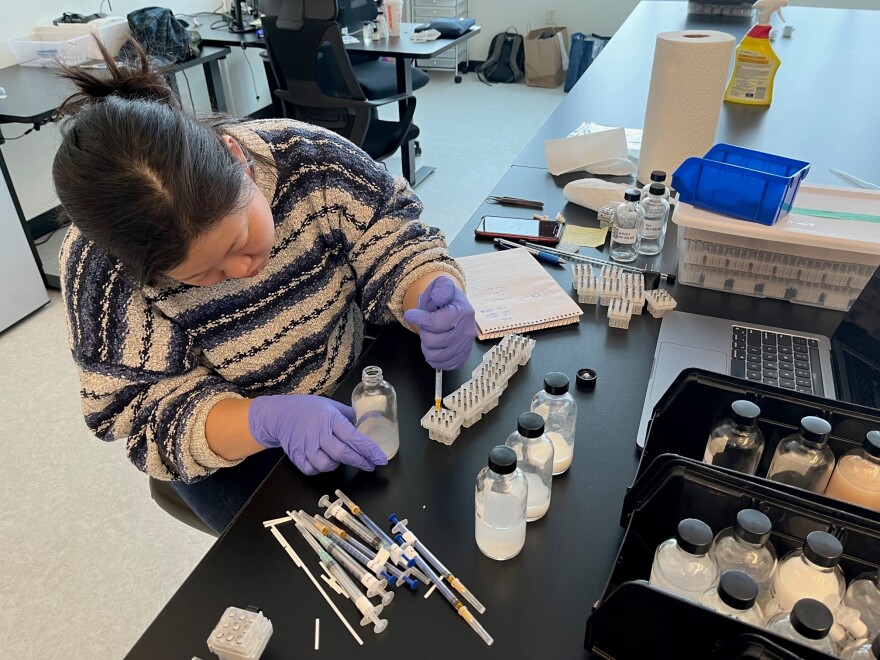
(511, 292)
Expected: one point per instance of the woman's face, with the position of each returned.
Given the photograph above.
(236, 247)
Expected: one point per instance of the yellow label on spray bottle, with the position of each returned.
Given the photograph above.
(754, 68)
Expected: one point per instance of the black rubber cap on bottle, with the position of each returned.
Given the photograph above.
(502, 459)
(632, 195)
(555, 383)
(744, 413)
(657, 189)
(752, 526)
(871, 444)
(694, 536)
(737, 589)
(815, 429)
(823, 549)
(530, 425)
(658, 175)
(811, 618)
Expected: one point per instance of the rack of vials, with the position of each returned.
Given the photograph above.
(466, 406)
(621, 291)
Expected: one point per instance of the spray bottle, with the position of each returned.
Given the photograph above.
(755, 64)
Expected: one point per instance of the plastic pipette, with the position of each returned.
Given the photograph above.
(400, 527)
(365, 607)
(438, 388)
(460, 607)
(362, 553)
(373, 534)
(375, 586)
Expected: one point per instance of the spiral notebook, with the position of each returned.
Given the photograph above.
(511, 292)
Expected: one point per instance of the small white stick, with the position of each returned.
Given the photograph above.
(317, 634)
(296, 560)
(431, 590)
(276, 521)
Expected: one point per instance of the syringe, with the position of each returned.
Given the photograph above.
(460, 607)
(375, 586)
(366, 608)
(400, 527)
(362, 553)
(373, 535)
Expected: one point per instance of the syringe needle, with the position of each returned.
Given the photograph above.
(438, 388)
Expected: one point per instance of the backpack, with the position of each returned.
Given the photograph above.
(506, 60)
(162, 35)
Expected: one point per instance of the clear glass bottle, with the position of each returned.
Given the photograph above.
(682, 564)
(500, 506)
(863, 594)
(856, 478)
(653, 232)
(558, 408)
(375, 410)
(808, 572)
(657, 176)
(534, 451)
(625, 227)
(746, 547)
(867, 651)
(848, 629)
(736, 442)
(735, 596)
(808, 623)
(804, 459)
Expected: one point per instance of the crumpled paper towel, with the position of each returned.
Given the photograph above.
(594, 193)
(603, 153)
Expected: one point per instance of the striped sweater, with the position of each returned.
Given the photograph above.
(153, 360)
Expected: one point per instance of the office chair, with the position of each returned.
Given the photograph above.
(317, 84)
(170, 502)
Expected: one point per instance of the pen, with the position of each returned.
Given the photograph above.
(538, 253)
(438, 388)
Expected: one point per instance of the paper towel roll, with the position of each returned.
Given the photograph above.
(684, 101)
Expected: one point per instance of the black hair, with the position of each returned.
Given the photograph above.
(137, 174)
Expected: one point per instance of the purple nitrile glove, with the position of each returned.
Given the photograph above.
(316, 433)
(446, 324)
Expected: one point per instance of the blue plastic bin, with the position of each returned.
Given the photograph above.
(749, 185)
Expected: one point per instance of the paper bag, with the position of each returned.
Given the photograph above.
(544, 57)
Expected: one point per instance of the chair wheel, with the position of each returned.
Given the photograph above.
(418, 148)
(457, 79)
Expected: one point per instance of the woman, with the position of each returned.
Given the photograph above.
(216, 279)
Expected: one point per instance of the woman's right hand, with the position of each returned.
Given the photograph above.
(316, 433)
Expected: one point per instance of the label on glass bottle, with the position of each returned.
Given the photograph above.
(624, 236)
(652, 227)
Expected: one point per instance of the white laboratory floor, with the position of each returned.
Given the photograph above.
(88, 558)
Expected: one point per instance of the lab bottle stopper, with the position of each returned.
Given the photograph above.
(735, 597)
(863, 594)
(534, 452)
(808, 572)
(809, 623)
(625, 227)
(746, 547)
(856, 478)
(682, 564)
(755, 62)
(867, 651)
(375, 409)
(736, 442)
(500, 502)
(653, 232)
(657, 176)
(558, 408)
(804, 459)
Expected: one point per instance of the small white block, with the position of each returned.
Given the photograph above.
(659, 302)
(619, 313)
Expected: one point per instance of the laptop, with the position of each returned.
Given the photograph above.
(845, 366)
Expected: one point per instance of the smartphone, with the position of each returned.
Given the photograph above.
(537, 231)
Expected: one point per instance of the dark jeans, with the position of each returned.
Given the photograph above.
(218, 498)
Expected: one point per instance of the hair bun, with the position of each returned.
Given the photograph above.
(132, 80)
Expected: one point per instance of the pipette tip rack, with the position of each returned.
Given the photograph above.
(619, 290)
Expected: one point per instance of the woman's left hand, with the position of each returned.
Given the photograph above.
(446, 324)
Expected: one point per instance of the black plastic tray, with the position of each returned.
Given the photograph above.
(633, 619)
(697, 400)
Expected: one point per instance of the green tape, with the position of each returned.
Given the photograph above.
(837, 215)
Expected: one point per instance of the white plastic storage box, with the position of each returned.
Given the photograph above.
(822, 253)
(112, 31)
(43, 48)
